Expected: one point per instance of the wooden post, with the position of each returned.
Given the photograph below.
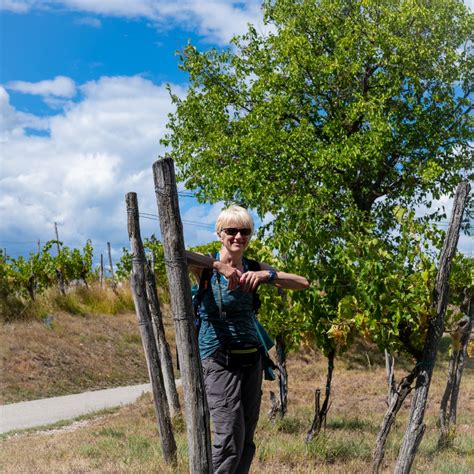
(138, 285)
(101, 271)
(460, 340)
(416, 428)
(196, 409)
(59, 273)
(39, 246)
(111, 266)
(164, 352)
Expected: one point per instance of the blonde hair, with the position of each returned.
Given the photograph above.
(234, 216)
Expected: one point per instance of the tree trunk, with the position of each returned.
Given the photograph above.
(390, 369)
(280, 348)
(416, 428)
(448, 407)
(161, 343)
(196, 409)
(138, 286)
(396, 398)
(280, 406)
(320, 413)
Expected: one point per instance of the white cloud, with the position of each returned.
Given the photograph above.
(216, 21)
(96, 151)
(470, 4)
(60, 86)
(16, 6)
(13, 123)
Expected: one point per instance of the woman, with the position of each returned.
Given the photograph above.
(228, 340)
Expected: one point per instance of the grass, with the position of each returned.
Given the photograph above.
(127, 440)
(68, 353)
(77, 301)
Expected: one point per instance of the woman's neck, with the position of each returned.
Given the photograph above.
(234, 259)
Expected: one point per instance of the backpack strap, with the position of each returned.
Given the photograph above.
(254, 266)
(205, 281)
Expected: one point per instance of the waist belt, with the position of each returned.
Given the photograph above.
(244, 357)
(243, 351)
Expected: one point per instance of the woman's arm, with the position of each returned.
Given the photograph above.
(197, 261)
(268, 274)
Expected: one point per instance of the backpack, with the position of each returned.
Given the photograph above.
(263, 336)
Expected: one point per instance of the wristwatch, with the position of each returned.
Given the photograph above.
(272, 275)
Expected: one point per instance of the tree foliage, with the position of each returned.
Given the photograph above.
(342, 112)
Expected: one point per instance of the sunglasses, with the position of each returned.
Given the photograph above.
(234, 231)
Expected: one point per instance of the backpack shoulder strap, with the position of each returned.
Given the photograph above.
(254, 266)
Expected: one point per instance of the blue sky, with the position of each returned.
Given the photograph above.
(83, 106)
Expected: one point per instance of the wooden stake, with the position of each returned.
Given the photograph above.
(59, 273)
(196, 409)
(164, 352)
(416, 428)
(101, 270)
(138, 285)
(111, 267)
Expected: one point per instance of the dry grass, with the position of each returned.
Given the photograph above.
(68, 354)
(127, 441)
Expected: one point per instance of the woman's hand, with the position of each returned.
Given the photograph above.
(250, 280)
(232, 274)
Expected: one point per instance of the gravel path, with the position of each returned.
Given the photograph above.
(17, 416)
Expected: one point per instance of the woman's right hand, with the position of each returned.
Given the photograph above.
(232, 274)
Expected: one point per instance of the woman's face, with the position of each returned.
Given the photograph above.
(233, 237)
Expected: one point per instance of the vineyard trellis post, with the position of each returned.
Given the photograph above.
(161, 342)
(416, 428)
(59, 273)
(138, 286)
(448, 406)
(111, 266)
(101, 271)
(196, 409)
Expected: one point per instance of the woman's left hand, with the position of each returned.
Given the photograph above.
(250, 280)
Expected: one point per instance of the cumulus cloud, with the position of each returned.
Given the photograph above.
(96, 151)
(16, 6)
(216, 21)
(13, 123)
(60, 86)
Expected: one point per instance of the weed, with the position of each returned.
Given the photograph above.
(290, 425)
(332, 448)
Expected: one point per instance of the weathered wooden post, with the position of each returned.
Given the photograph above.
(196, 410)
(59, 273)
(162, 344)
(460, 340)
(138, 285)
(416, 427)
(111, 266)
(101, 271)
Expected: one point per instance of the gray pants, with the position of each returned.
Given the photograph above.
(234, 396)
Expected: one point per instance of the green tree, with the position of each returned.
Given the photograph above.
(343, 111)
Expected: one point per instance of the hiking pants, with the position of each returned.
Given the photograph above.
(233, 396)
